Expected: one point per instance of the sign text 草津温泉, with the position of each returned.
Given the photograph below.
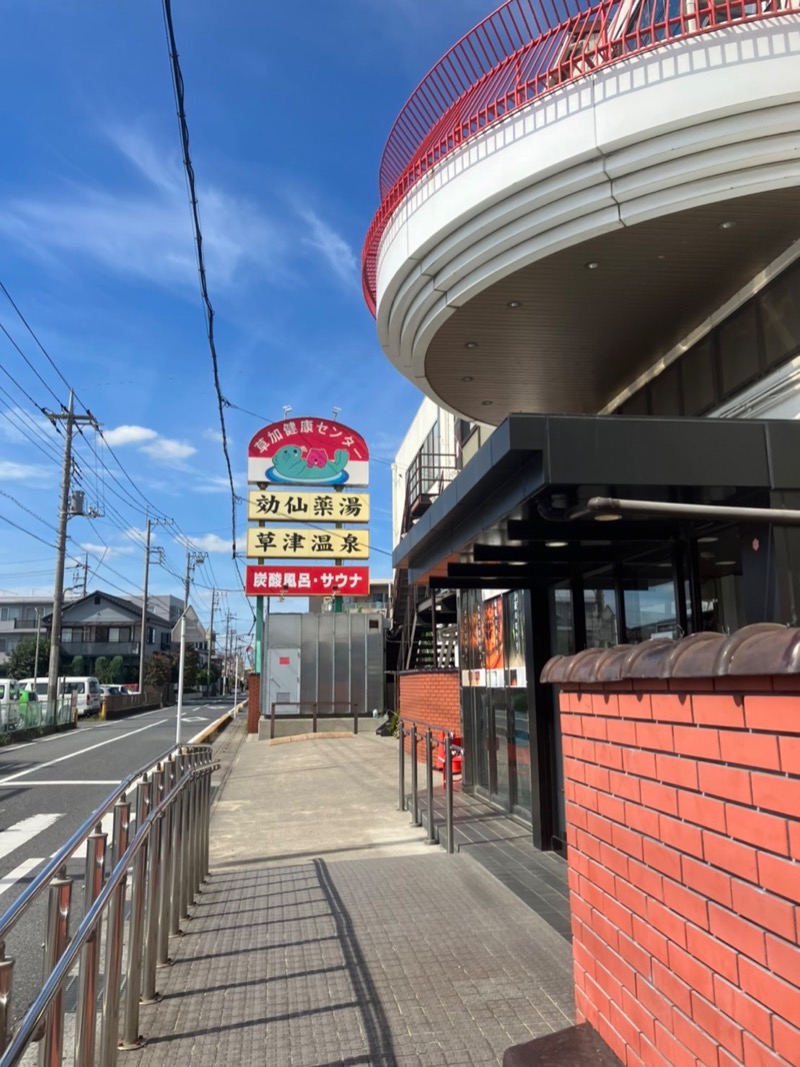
(306, 542)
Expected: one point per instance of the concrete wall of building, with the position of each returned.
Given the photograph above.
(432, 697)
(683, 813)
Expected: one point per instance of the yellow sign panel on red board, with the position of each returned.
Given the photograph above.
(306, 542)
(282, 505)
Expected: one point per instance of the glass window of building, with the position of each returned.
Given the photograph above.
(780, 311)
(739, 349)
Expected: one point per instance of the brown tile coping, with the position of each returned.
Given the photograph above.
(761, 650)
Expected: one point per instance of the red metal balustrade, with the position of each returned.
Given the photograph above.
(524, 49)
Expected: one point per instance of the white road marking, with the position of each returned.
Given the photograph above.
(81, 752)
(21, 832)
(8, 881)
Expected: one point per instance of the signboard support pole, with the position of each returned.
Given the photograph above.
(259, 632)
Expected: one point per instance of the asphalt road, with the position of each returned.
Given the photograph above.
(48, 787)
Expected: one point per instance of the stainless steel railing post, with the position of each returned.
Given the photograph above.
(114, 926)
(133, 982)
(196, 826)
(431, 839)
(153, 910)
(177, 857)
(60, 899)
(206, 823)
(415, 820)
(401, 804)
(186, 864)
(90, 957)
(6, 985)
(167, 853)
(190, 822)
(448, 770)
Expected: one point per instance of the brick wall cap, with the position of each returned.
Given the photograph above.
(760, 649)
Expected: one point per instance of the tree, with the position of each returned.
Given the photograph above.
(115, 669)
(77, 668)
(191, 662)
(101, 669)
(22, 659)
(158, 670)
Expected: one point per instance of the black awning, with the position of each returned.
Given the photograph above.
(534, 458)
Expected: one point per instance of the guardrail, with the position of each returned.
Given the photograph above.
(450, 749)
(315, 706)
(523, 50)
(167, 857)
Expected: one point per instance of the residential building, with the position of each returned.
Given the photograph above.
(589, 239)
(20, 620)
(100, 624)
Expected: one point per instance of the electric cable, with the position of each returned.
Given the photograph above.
(178, 87)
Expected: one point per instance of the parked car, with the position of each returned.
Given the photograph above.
(86, 689)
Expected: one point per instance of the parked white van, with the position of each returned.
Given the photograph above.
(86, 688)
(9, 690)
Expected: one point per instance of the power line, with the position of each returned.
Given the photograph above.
(25, 531)
(35, 371)
(177, 83)
(29, 328)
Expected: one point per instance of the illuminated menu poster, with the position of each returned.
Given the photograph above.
(472, 672)
(516, 639)
(494, 658)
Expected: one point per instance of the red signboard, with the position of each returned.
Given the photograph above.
(309, 453)
(307, 581)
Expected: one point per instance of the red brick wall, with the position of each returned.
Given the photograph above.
(683, 814)
(431, 697)
(253, 699)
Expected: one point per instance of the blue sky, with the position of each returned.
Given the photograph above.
(289, 107)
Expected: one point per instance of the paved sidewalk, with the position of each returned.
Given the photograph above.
(329, 933)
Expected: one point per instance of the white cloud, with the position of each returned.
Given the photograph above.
(207, 543)
(334, 249)
(137, 536)
(168, 451)
(164, 449)
(128, 435)
(213, 435)
(107, 551)
(146, 232)
(23, 472)
(213, 484)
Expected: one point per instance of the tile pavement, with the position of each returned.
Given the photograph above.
(329, 933)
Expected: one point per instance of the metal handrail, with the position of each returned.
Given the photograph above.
(40, 882)
(173, 809)
(522, 51)
(451, 749)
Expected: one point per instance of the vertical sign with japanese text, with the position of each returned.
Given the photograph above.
(306, 470)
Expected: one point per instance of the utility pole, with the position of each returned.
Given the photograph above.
(143, 640)
(228, 619)
(143, 634)
(210, 644)
(192, 560)
(70, 419)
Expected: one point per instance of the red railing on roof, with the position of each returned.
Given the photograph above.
(521, 51)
